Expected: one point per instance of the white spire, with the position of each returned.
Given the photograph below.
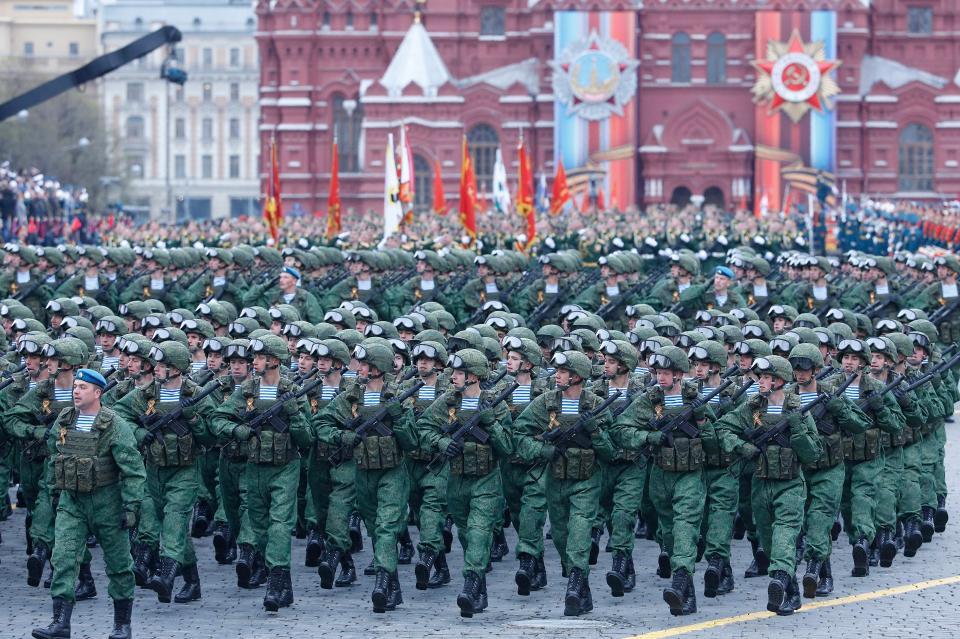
(416, 60)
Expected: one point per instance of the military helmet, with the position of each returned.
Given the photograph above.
(903, 343)
(216, 344)
(270, 345)
(547, 333)
(783, 344)
(708, 351)
(136, 345)
(63, 306)
(15, 310)
(349, 336)
(238, 349)
(756, 329)
(469, 360)
(381, 328)
(86, 336)
(201, 327)
(754, 347)
(926, 327)
(378, 356)
(69, 350)
(430, 350)
(465, 339)
(854, 346)
(669, 358)
(32, 343)
(588, 339)
(491, 348)
(257, 313)
(299, 329)
(573, 361)
(242, 327)
(214, 312)
(334, 349)
(807, 320)
(782, 310)
(884, 346)
(743, 314)
(284, 313)
(172, 354)
(339, 317)
(165, 333)
(805, 357)
(841, 330)
(112, 325)
(622, 351)
(773, 365)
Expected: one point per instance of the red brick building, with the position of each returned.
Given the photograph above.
(480, 67)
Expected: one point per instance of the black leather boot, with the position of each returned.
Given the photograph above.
(595, 535)
(941, 516)
(875, 551)
(617, 576)
(271, 600)
(222, 539)
(825, 585)
(726, 579)
(836, 529)
(663, 565)
(122, 611)
(447, 533)
(861, 558)
(540, 578)
(356, 538)
(739, 529)
(631, 581)
(753, 570)
(712, 576)
(286, 595)
(778, 593)
(441, 573)
(144, 564)
(898, 535)
(314, 549)
(424, 566)
(927, 525)
(162, 580)
(888, 547)
(912, 537)
(260, 572)
(394, 594)
(370, 569)
(690, 603)
(407, 550)
(525, 574)
(59, 628)
(381, 587)
(469, 598)
(348, 572)
(586, 597)
(701, 548)
(231, 551)
(499, 549)
(35, 563)
(86, 588)
(677, 594)
(640, 531)
(573, 604)
(201, 519)
(793, 594)
(811, 578)
(327, 569)
(191, 585)
(27, 522)
(484, 602)
(245, 565)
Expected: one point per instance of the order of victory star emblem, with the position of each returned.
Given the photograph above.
(795, 78)
(595, 77)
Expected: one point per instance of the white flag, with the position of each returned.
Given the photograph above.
(392, 208)
(501, 194)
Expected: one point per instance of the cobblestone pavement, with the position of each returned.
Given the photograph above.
(226, 611)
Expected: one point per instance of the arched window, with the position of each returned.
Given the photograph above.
(422, 184)
(713, 195)
(916, 158)
(347, 125)
(716, 58)
(680, 58)
(482, 142)
(680, 196)
(134, 127)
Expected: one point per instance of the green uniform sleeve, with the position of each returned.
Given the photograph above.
(329, 422)
(805, 441)
(529, 425)
(20, 420)
(730, 428)
(133, 475)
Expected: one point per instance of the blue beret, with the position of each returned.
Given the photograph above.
(289, 270)
(726, 272)
(91, 376)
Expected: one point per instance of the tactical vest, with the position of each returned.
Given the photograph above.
(686, 454)
(49, 409)
(374, 452)
(776, 461)
(232, 450)
(322, 451)
(77, 467)
(575, 463)
(622, 455)
(269, 447)
(476, 460)
(419, 407)
(168, 449)
(829, 433)
(863, 446)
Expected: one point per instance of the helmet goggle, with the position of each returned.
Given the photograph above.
(106, 326)
(781, 345)
(455, 361)
(204, 309)
(698, 353)
(835, 314)
(511, 343)
(292, 330)
(236, 328)
(907, 314)
(152, 321)
(752, 330)
(424, 350)
(887, 326)
(851, 346)
(762, 365)
(156, 354)
(776, 311)
(29, 347)
(660, 361)
(18, 325)
(802, 363)
(248, 312)
(212, 345)
(404, 322)
(920, 339)
(236, 351)
(189, 325)
(334, 317)
(162, 335)
(742, 348)
(686, 341)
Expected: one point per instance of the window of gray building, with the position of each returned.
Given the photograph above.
(180, 166)
(193, 208)
(347, 123)
(27, 48)
(74, 49)
(206, 129)
(920, 19)
(180, 128)
(234, 128)
(234, 166)
(207, 92)
(134, 91)
(492, 21)
(207, 57)
(134, 128)
(206, 167)
(235, 57)
(244, 206)
(234, 91)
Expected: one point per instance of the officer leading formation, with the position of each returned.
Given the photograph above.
(159, 401)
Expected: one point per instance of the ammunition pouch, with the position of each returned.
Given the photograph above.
(686, 455)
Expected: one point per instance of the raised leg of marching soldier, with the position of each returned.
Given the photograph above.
(679, 498)
(940, 515)
(524, 490)
(208, 463)
(623, 483)
(824, 489)
(720, 509)
(778, 512)
(908, 506)
(572, 504)
(337, 542)
(41, 533)
(382, 497)
(174, 490)
(231, 510)
(761, 560)
(475, 505)
(859, 502)
(148, 534)
(272, 513)
(887, 495)
(318, 504)
(429, 490)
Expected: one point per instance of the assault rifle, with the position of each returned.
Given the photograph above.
(681, 420)
(827, 428)
(874, 309)
(676, 308)
(487, 385)
(255, 421)
(545, 308)
(611, 307)
(865, 399)
(196, 278)
(944, 364)
(563, 438)
(471, 427)
(27, 292)
(944, 312)
(362, 426)
(156, 423)
(761, 437)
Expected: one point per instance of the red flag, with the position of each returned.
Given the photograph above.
(77, 225)
(561, 194)
(333, 199)
(468, 194)
(525, 188)
(273, 208)
(601, 201)
(440, 206)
